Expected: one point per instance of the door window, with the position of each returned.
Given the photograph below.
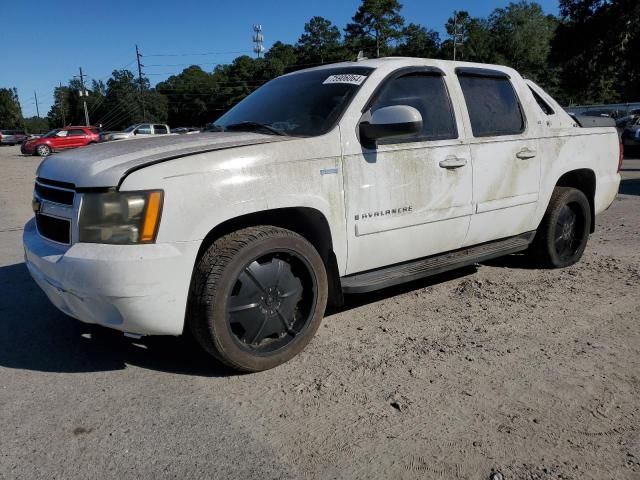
(493, 105)
(76, 133)
(160, 129)
(144, 130)
(428, 94)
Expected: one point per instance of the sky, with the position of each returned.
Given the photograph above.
(46, 42)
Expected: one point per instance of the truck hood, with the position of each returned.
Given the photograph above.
(106, 164)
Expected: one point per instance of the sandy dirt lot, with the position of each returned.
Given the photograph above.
(503, 367)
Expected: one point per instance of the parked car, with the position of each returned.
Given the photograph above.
(614, 113)
(12, 137)
(138, 130)
(60, 139)
(631, 137)
(185, 130)
(20, 135)
(340, 179)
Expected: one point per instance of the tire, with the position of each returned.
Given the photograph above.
(43, 150)
(564, 231)
(257, 297)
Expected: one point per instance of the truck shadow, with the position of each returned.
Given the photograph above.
(34, 335)
(630, 186)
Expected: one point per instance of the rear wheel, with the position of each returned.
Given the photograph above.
(258, 296)
(43, 150)
(563, 234)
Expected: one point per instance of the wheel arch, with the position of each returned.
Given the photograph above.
(308, 222)
(583, 179)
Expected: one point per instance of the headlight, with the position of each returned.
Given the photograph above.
(120, 217)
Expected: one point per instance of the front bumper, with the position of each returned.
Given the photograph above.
(27, 149)
(139, 289)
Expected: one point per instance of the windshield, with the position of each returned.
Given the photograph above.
(131, 128)
(303, 104)
(52, 133)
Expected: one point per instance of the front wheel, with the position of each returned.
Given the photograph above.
(258, 296)
(562, 236)
(43, 150)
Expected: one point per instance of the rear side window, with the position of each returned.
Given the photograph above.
(76, 132)
(160, 129)
(428, 94)
(493, 106)
(546, 108)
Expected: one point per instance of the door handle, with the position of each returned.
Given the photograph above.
(453, 162)
(526, 153)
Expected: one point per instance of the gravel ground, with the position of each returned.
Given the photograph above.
(503, 367)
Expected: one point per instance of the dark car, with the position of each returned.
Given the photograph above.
(61, 139)
(631, 136)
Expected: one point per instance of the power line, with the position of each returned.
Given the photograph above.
(195, 54)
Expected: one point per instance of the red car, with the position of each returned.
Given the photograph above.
(61, 139)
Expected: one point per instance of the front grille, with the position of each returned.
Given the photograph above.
(55, 229)
(64, 197)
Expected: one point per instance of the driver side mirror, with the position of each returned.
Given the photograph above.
(392, 121)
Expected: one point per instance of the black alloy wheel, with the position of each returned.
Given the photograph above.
(271, 302)
(257, 297)
(564, 231)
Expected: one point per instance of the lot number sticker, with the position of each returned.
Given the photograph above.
(351, 79)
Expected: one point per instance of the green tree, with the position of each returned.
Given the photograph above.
(320, 42)
(190, 97)
(280, 58)
(518, 35)
(474, 39)
(418, 41)
(376, 24)
(36, 124)
(597, 48)
(10, 111)
(521, 37)
(122, 105)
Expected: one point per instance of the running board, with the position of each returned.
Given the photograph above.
(426, 267)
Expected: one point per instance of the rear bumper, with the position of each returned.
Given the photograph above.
(140, 289)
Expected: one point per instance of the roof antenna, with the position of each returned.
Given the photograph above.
(361, 56)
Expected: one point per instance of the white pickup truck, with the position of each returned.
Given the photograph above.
(340, 179)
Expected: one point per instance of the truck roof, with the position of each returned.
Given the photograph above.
(393, 63)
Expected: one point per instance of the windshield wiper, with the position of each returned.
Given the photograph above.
(252, 126)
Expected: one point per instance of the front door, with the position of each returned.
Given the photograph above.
(409, 197)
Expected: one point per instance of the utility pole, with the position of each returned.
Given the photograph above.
(64, 120)
(144, 110)
(84, 93)
(35, 95)
(258, 40)
(455, 34)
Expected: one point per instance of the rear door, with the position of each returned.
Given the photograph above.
(504, 149)
(408, 197)
(77, 138)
